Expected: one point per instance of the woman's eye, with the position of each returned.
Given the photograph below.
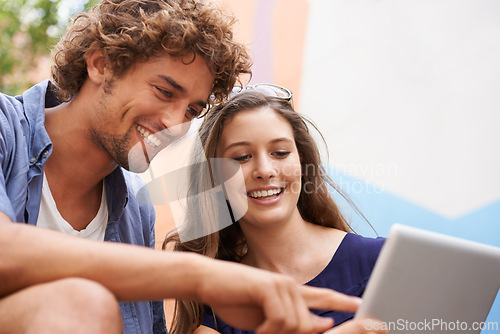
(281, 154)
(242, 158)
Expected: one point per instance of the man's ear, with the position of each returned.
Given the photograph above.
(96, 66)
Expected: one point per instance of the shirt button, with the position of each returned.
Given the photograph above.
(45, 153)
(32, 160)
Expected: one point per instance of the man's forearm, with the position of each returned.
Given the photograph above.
(240, 294)
(32, 256)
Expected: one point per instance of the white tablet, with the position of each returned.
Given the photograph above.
(425, 282)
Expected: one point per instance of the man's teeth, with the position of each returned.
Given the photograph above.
(265, 193)
(149, 138)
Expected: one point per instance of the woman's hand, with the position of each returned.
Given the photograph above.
(359, 326)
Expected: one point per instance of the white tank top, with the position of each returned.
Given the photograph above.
(50, 218)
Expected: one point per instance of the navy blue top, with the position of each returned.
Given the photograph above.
(348, 272)
(25, 146)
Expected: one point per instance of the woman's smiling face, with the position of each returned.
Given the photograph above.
(263, 144)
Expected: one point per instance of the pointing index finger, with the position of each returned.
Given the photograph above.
(327, 299)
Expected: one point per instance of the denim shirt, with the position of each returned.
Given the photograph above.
(25, 146)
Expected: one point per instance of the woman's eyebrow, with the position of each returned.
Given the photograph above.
(246, 143)
(238, 143)
(277, 140)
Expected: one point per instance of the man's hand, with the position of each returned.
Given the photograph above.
(249, 298)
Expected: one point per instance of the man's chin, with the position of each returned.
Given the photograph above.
(137, 163)
(139, 159)
(136, 168)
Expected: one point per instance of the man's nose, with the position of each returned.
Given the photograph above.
(174, 119)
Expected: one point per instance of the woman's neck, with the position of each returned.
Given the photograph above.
(299, 249)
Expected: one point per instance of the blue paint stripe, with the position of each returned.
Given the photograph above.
(383, 209)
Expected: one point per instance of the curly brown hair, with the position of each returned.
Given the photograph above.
(132, 31)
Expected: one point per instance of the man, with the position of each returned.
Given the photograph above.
(127, 77)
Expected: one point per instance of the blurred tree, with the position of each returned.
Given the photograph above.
(28, 29)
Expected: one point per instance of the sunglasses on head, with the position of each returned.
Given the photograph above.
(271, 90)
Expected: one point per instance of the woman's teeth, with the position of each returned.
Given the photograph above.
(149, 138)
(265, 193)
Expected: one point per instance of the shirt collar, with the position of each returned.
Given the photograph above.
(117, 193)
(35, 100)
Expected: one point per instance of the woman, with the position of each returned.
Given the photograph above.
(289, 222)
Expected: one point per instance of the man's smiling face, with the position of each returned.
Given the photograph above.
(149, 107)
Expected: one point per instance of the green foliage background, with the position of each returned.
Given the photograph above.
(28, 30)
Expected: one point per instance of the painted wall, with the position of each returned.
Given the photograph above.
(407, 96)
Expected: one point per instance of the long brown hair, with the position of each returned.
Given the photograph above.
(317, 206)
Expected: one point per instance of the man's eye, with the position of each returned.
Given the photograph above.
(166, 93)
(193, 113)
